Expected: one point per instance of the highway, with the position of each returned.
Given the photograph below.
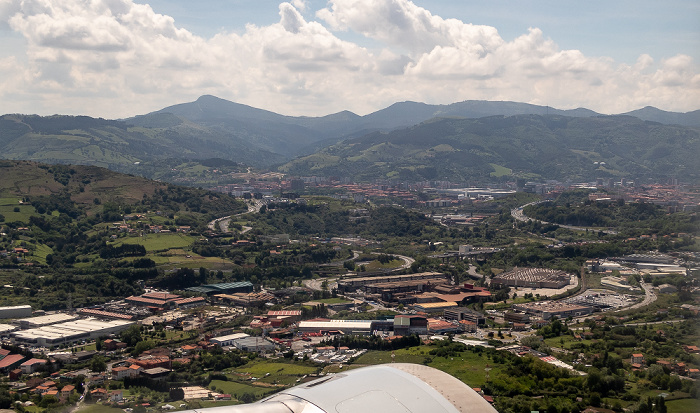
(224, 222)
(649, 296)
(519, 215)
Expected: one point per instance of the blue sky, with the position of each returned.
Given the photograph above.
(118, 58)
(621, 29)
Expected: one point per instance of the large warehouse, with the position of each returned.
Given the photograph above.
(532, 278)
(352, 284)
(69, 332)
(343, 326)
(44, 320)
(549, 309)
(15, 311)
(228, 340)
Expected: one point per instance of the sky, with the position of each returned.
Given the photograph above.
(120, 58)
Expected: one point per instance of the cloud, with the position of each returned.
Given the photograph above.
(116, 58)
(300, 5)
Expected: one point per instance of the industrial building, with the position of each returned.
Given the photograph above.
(15, 311)
(156, 300)
(388, 290)
(45, 320)
(434, 307)
(228, 340)
(223, 288)
(6, 328)
(69, 332)
(10, 362)
(549, 309)
(341, 326)
(513, 317)
(353, 284)
(532, 278)
(437, 326)
(464, 313)
(104, 314)
(410, 324)
(254, 345)
(244, 299)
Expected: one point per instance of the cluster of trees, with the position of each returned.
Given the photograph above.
(332, 220)
(123, 250)
(633, 217)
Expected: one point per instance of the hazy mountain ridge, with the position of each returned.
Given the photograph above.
(653, 114)
(293, 136)
(212, 127)
(531, 146)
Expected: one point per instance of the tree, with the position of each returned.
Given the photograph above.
(97, 364)
(132, 335)
(177, 394)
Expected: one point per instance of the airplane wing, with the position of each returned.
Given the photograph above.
(386, 388)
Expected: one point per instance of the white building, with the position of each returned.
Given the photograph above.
(344, 326)
(226, 341)
(70, 332)
(16, 311)
(45, 320)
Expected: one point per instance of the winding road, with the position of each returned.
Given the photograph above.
(519, 215)
(224, 222)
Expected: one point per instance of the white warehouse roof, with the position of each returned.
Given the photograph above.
(337, 325)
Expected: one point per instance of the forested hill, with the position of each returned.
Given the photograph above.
(215, 128)
(527, 146)
(121, 145)
(79, 190)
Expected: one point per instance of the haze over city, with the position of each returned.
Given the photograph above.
(120, 58)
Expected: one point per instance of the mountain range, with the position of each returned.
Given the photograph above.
(215, 128)
(533, 147)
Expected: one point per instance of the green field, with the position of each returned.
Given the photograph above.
(179, 258)
(211, 403)
(7, 209)
(500, 171)
(336, 300)
(260, 369)
(467, 366)
(411, 355)
(41, 252)
(97, 408)
(683, 406)
(159, 242)
(236, 389)
(568, 341)
(376, 265)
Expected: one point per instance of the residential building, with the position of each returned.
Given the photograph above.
(637, 358)
(32, 365)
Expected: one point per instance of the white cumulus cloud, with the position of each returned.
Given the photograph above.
(116, 58)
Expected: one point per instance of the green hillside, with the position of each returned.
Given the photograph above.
(530, 146)
(120, 145)
(79, 190)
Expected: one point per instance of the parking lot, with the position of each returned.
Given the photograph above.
(603, 299)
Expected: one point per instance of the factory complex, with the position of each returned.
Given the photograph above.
(69, 332)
